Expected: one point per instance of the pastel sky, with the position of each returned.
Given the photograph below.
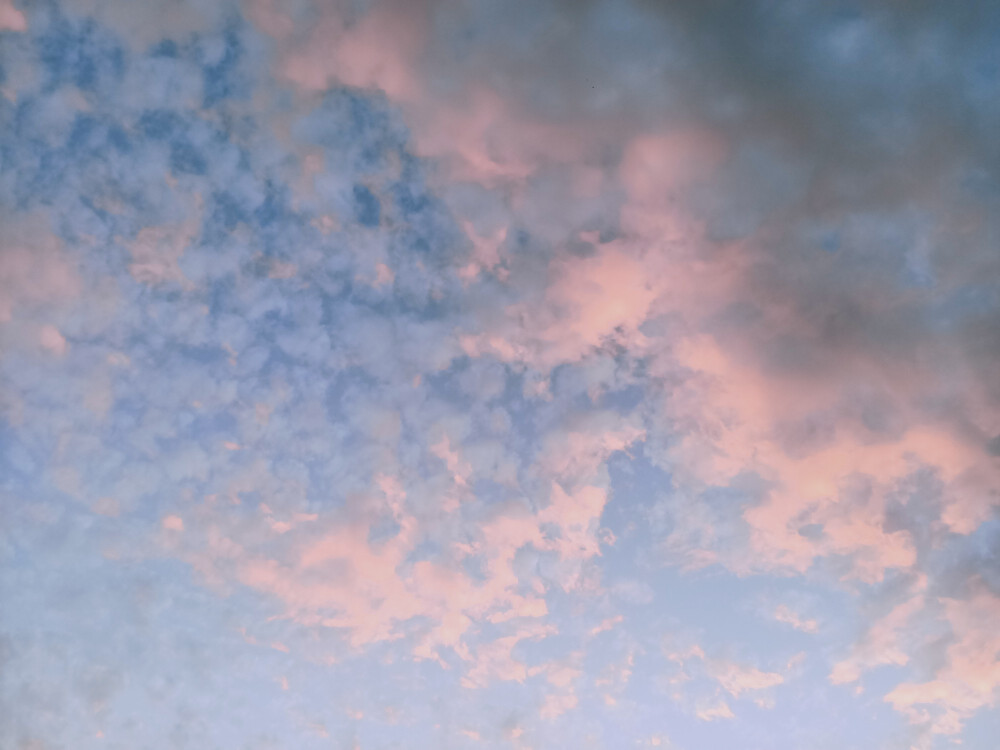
(456, 374)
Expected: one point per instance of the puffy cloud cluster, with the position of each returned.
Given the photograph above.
(354, 309)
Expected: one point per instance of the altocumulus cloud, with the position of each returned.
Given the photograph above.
(533, 375)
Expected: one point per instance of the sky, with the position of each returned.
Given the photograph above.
(457, 374)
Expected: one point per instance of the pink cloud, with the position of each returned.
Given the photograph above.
(608, 624)
(384, 275)
(737, 679)
(729, 406)
(486, 255)
(11, 19)
(590, 301)
(471, 130)
(52, 340)
(460, 470)
(331, 575)
(718, 709)
(130, 20)
(739, 409)
(34, 271)
(615, 677)
(173, 523)
(576, 456)
(562, 677)
(325, 570)
(662, 266)
(375, 50)
(970, 678)
(156, 251)
(106, 506)
(557, 704)
(787, 615)
(577, 516)
(495, 660)
(885, 640)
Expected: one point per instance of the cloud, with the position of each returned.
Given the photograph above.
(52, 340)
(719, 710)
(156, 252)
(11, 19)
(737, 679)
(970, 677)
(719, 675)
(428, 334)
(34, 270)
(786, 615)
(881, 643)
(173, 523)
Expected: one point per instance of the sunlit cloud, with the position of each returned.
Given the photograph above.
(468, 374)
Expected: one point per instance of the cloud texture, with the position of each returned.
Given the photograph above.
(460, 374)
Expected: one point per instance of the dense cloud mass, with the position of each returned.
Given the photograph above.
(460, 373)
